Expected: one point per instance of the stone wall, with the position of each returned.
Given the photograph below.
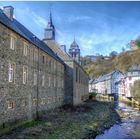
(76, 83)
(44, 87)
(80, 84)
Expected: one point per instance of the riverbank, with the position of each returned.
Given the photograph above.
(129, 127)
(68, 122)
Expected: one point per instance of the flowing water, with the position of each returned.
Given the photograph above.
(129, 128)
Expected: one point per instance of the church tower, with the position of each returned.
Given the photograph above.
(74, 51)
(50, 30)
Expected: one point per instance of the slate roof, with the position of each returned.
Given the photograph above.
(24, 32)
(90, 81)
(104, 77)
(74, 45)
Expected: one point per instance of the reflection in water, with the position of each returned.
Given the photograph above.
(129, 128)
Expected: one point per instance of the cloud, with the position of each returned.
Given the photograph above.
(78, 18)
(40, 21)
(89, 42)
(1, 5)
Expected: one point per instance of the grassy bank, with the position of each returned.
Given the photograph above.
(67, 122)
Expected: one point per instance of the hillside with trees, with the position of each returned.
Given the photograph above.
(102, 66)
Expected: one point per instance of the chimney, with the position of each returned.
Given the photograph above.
(8, 11)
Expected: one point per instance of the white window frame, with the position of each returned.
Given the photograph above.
(35, 78)
(13, 42)
(25, 49)
(35, 55)
(43, 101)
(25, 74)
(11, 72)
(10, 104)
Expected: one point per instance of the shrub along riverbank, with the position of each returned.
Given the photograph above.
(68, 122)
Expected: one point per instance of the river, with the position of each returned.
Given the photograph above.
(129, 128)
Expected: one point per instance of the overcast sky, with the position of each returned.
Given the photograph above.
(99, 27)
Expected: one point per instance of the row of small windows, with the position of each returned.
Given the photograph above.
(44, 59)
(13, 41)
(23, 102)
(56, 80)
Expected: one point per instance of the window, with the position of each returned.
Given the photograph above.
(23, 102)
(43, 59)
(35, 78)
(54, 66)
(43, 81)
(51, 65)
(42, 101)
(11, 72)
(62, 84)
(76, 74)
(49, 100)
(12, 43)
(35, 55)
(49, 81)
(79, 76)
(10, 104)
(25, 50)
(34, 101)
(25, 74)
(54, 81)
(130, 85)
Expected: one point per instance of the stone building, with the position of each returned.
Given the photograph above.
(32, 76)
(76, 79)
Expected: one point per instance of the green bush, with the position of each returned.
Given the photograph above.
(135, 90)
(92, 95)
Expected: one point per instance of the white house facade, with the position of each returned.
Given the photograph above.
(107, 84)
(130, 77)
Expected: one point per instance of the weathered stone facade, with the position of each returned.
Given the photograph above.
(33, 77)
(31, 97)
(76, 79)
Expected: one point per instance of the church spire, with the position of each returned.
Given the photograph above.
(50, 18)
(50, 30)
